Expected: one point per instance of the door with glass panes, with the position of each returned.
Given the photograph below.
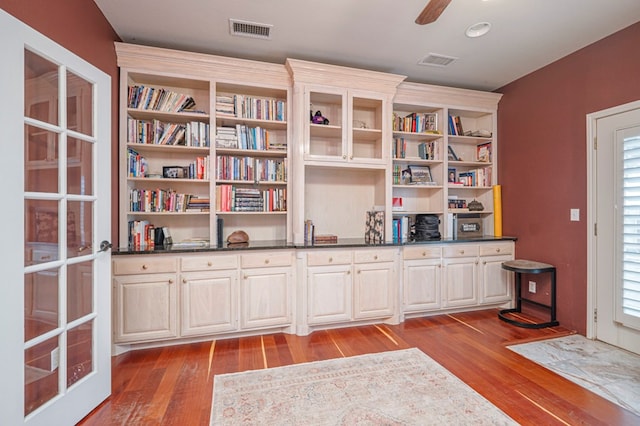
(56, 300)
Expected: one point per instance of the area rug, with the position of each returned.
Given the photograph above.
(403, 387)
(603, 369)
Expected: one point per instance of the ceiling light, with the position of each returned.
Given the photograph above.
(478, 30)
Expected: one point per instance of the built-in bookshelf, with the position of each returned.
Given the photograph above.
(457, 144)
(252, 160)
(165, 157)
(418, 165)
(197, 134)
(470, 164)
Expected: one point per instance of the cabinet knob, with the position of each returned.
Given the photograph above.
(330, 259)
(145, 267)
(209, 263)
(359, 271)
(245, 277)
(170, 280)
(348, 272)
(439, 265)
(461, 251)
(266, 261)
(424, 254)
(344, 157)
(184, 281)
(375, 257)
(477, 262)
(484, 263)
(497, 250)
(351, 157)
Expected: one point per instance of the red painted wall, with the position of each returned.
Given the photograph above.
(543, 153)
(80, 27)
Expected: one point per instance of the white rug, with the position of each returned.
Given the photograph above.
(608, 371)
(403, 387)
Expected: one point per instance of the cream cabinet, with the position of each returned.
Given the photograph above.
(145, 298)
(374, 283)
(460, 264)
(422, 278)
(496, 284)
(266, 289)
(208, 294)
(350, 285)
(328, 286)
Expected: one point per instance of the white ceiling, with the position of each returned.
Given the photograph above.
(381, 34)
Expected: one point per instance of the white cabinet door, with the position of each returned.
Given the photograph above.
(266, 297)
(374, 290)
(329, 294)
(496, 284)
(209, 302)
(460, 281)
(144, 307)
(422, 285)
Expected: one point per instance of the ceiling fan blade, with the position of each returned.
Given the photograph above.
(432, 11)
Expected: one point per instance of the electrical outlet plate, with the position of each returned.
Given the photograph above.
(575, 215)
(532, 286)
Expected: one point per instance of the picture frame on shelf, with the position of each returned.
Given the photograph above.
(452, 156)
(452, 175)
(175, 172)
(405, 177)
(421, 175)
(430, 122)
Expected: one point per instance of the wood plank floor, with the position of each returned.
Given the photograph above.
(173, 385)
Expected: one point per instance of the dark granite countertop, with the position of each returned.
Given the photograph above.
(281, 244)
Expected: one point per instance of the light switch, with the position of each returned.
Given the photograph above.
(575, 215)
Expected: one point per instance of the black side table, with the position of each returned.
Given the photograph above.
(520, 267)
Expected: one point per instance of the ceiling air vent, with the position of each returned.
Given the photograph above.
(250, 29)
(436, 60)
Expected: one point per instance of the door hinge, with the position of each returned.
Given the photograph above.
(595, 315)
(595, 143)
(595, 229)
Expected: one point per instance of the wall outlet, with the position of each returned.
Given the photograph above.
(575, 215)
(532, 286)
(55, 358)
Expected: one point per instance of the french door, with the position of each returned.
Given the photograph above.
(615, 197)
(55, 298)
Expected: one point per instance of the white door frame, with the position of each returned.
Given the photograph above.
(592, 119)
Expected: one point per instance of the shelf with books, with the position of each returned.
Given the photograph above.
(252, 160)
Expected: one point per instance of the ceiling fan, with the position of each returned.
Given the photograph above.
(432, 11)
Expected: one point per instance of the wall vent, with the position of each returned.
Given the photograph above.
(250, 29)
(436, 60)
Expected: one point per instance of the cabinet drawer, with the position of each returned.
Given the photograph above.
(496, 249)
(369, 256)
(209, 263)
(146, 265)
(459, 250)
(328, 258)
(260, 260)
(421, 252)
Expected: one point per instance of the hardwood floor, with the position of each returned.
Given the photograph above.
(173, 385)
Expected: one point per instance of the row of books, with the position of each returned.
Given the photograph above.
(157, 132)
(416, 122)
(245, 137)
(310, 236)
(455, 126)
(251, 169)
(401, 228)
(136, 164)
(164, 200)
(426, 150)
(158, 99)
(231, 198)
(141, 235)
(245, 106)
(476, 177)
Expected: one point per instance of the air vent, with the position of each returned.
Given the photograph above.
(250, 29)
(436, 60)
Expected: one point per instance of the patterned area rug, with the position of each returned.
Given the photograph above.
(403, 387)
(608, 371)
